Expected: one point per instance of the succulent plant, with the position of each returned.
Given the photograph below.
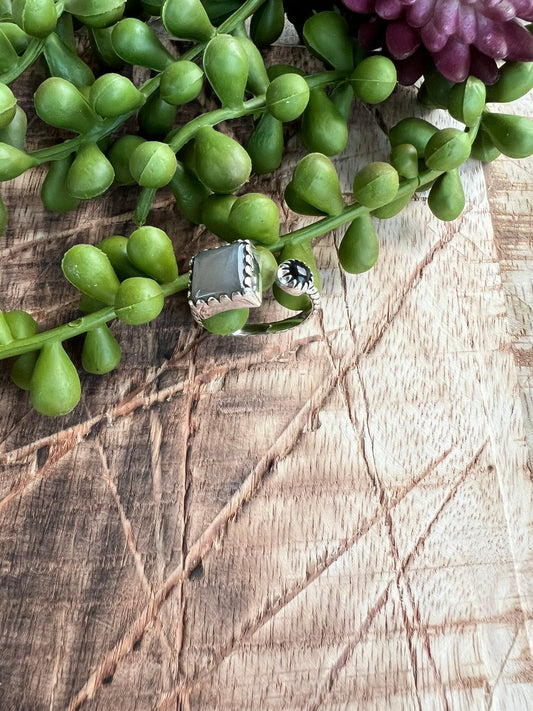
(463, 37)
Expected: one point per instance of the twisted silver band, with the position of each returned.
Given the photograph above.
(295, 278)
(228, 277)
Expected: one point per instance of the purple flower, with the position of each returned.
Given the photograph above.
(464, 37)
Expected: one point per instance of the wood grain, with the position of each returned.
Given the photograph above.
(509, 193)
(336, 518)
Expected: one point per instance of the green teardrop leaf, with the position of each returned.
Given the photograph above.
(88, 269)
(138, 300)
(55, 385)
(221, 163)
(226, 68)
(255, 216)
(327, 35)
(323, 128)
(187, 19)
(54, 194)
(115, 247)
(101, 352)
(315, 181)
(151, 251)
(265, 145)
(376, 184)
(512, 135)
(446, 198)
(359, 247)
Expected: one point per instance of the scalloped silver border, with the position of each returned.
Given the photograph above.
(249, 297)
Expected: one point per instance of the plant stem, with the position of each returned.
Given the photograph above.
(30, 54)
(177, 139)
(98, 318)
(258, 103)
(327, 224)
(107, 126)
(79, 326)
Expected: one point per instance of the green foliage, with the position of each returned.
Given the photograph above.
(267, 23)
(187, 19)
(54, 194)
(61, 104)
(323, 128)
(221, 163)
(466, 100)
(8, 106)
(90, 174)
(55, 387)
(446, 198)
(181, 82)
(327, 36)
(265, 145)
(136, 43)
(152, 164)
(316, 182)
(376, 184)
(359, 248)
(511, 135)
(447, 149)
(101, 352)
(226, 68)
(150, 250)
(374, 79)
(97, 13)
(287, 96)
(138, 300)
(255, 216)
(112, 95)
(413, 130)
(88, 269)
(36, 17)
(134, 134)
(227, 322)
(63, 62)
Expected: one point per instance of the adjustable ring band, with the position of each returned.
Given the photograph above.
(228, 277)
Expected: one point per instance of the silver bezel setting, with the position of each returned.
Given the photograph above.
(206, 298)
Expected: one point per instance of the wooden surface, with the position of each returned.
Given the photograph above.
(337, 518)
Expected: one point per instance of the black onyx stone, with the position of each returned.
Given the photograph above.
(299, 272)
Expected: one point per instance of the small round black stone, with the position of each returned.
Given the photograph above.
(299, 272)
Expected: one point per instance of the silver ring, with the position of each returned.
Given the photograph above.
(228, 277)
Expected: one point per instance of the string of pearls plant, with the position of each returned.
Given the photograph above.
(129, 278)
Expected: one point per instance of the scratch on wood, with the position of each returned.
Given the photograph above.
(60, 627)
(414, 624)
(490, 700)
(156, 435)
(61, 443)
(186, 478)
(348, 310)
(281, 447)
(382, 599)
(125, 522)
(58, 445)
(202, 545)
(400, 570)
(348, 650)
(378, 117)
(413, 280)
(272, 608)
